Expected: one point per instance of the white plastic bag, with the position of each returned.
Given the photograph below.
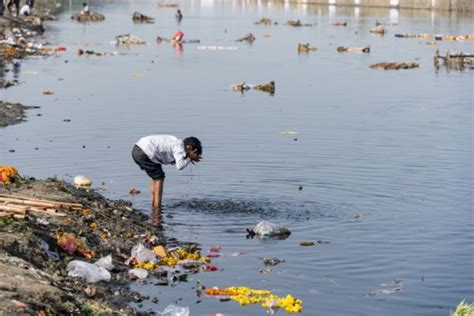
(88, 271)
(139, 273)
(172, 310)
(143, 254)
(105, 262)
(265, 228)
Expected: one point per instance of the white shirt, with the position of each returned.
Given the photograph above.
(164, 149)
(25, 10)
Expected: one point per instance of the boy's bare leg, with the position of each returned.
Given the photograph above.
(156, 216)
(157, 193)
(152, 191)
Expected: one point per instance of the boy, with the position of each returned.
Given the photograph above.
(150, 152)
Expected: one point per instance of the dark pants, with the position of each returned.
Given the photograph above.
(152, 169)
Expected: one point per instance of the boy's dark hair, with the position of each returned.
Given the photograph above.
(194, 143)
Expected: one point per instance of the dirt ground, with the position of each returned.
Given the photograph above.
(32, 282)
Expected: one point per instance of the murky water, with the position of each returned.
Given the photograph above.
(395, 147)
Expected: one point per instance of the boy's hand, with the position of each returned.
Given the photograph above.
(194, 156)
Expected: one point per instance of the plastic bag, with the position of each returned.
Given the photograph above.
(142, 254)
(265, 228)
(88, 271)
(105, 262)
(139, 273)
(172, 310)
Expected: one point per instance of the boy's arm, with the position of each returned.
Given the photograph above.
(181, 160)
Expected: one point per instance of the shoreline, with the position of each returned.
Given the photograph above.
(34, 281)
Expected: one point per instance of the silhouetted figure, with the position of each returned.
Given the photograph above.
(178, 15)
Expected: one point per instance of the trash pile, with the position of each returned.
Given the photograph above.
(142, 18)
(266, 87)
(265, 21)
(297, 23)
(454, 60)
(19, 42)
(245, 296)
(395, 65)
(247, 38)
(89, 17)
(129, 39)
(438, 37)
(305, 48)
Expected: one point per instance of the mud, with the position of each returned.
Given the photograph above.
(13, 113)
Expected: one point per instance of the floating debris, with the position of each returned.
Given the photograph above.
(342, 49)
(88, 17)
(129, 39)
(339, 24)
(265, 21)
(247, 38)
(297, 23)
(307, 243)
(271, 261)
(267, 229)
(142, 18)
(378, 29)
(395, 65)
(82, 182)
(217, 48)
(266, 87)
(306, 48)
(454, 60)
(387, 289)
(167, 5)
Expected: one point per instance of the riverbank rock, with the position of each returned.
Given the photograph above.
(91, 17)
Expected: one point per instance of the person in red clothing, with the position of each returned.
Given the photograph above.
(177, 37)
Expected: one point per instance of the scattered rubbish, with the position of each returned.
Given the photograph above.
(288, 133)
(138, 273)
(67, 120)
(210, 268)
(128, 39)
(305, 48)
(356, 215)
(339, 24)
(265, 21)
(265, 271)
(160, 251)
(342, 49)
(395, 65)
(48, 93)
(297, 23)
(134, 191)
(82, 181)
(266, 35)
(52, 255)
(19, 304)
(387, 289)
(215, 249)
(267, 229)
(245, 296)
(88, 17)
(454, 60)
(88, 271)
(139, 17)
(105, 262)
(247, 38)
(70, 244)
(300, 188)
(271, 261)
(438, 37)
(307, 243)
(141, 254)
(266, 87)
(378, 29)
(8, 174)
(217, 48)
(168, 5)
(237, 254)
(463, 309)
(88, 52)
(243, 86)
(172, 310)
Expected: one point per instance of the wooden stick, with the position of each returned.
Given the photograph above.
(13, 209)
(18, 216)
(32, 203)
(22, 197)
(49, 211)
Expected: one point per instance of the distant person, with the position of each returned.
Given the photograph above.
(16, 3)
(85, 9)
(150, 152)
(31, 3)
(25, 10)
(178, 15)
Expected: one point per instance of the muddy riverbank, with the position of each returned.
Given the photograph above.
(33, 266)
(13, 113)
